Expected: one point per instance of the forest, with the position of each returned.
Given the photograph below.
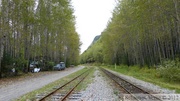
(140, 32)
(141, 36)
(37, 30)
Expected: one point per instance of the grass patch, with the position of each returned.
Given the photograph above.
(146, 74)
(47, 88)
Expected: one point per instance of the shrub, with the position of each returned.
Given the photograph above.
(170, 70)
(21, 63)
(8, 63)
(49, 66)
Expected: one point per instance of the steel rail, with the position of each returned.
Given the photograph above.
(131, 84)
(53, 92)
(64, 98)
(126, 90)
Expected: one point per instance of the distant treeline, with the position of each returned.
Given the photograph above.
(140, 32)
(37, 30)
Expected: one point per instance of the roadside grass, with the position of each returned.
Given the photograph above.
(146, 74)
(48, 88)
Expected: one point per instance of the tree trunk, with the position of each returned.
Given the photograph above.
(1, 52)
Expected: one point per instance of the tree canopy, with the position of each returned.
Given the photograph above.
(140, 32)
(38, 29)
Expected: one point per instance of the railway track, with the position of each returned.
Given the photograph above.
(132, 92)
(63, 92)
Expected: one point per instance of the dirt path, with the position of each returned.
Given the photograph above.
(15, 89)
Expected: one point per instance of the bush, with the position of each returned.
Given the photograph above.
(170, 70)
(49, 66)
(21, 63)
(8, 63)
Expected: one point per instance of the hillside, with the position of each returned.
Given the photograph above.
(96, 38)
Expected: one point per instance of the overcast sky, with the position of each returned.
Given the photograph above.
(91, 18)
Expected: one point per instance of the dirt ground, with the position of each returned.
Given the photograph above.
(12, 88)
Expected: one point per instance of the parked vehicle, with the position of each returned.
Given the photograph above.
(34, 67)
(60, 66)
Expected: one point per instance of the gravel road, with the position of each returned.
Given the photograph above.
(16, 89)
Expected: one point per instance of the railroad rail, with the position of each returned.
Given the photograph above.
(61, 93)
(131, 89)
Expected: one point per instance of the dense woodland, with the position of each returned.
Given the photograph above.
(140, 32)
(37, 30)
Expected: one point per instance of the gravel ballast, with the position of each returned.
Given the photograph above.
(17, 89)
(99, 89)
(145, 85)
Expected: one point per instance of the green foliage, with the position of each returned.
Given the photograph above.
(146, 74)
(49, 65)
(43, 29)
(140, 32)
(8, 63)
(7, 60)
(170, 70)
(93, 53)
(20, 64)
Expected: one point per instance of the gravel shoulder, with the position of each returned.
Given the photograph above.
(12, 89)
(145, 85)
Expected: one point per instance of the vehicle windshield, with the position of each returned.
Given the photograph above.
(33, 62)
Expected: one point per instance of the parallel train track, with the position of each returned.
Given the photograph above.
(134, 92)
(63, 92)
